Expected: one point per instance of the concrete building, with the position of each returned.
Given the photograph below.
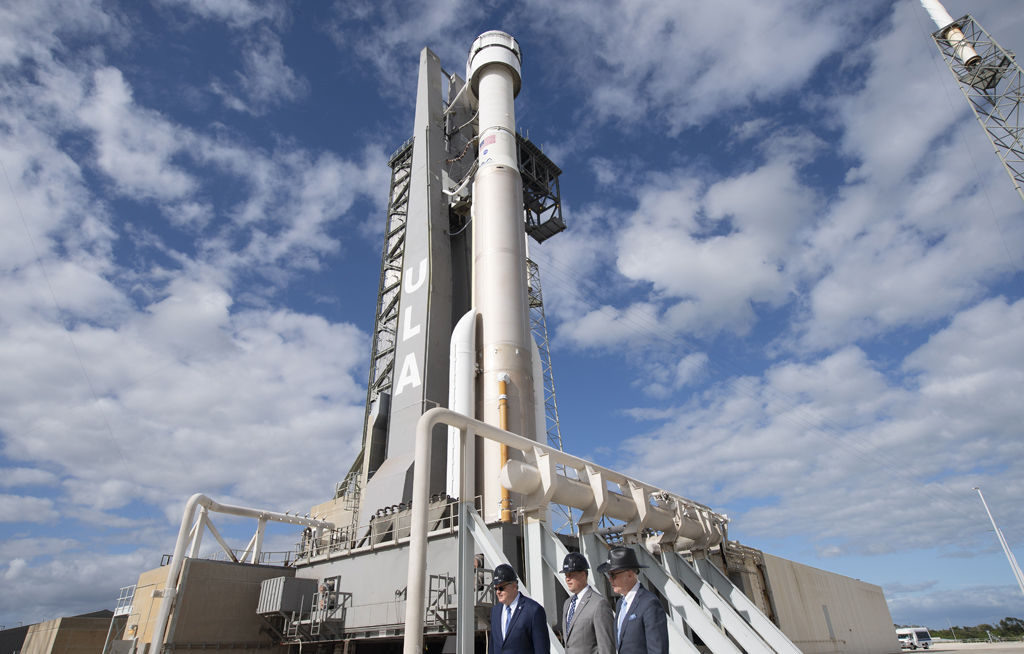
(82, 634)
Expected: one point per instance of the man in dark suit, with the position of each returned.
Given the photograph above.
(518, 624)
(642, 626)
(588, 623)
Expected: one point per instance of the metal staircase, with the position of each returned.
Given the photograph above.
(704, 607)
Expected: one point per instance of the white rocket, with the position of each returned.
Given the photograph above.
(499, 251)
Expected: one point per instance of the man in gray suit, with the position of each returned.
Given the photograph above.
(587, 618)
(642, 626)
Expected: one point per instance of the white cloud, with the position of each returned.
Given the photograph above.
(238, 14)
(162, 379)
(711, 253)
(34, 28)
(690, 369)
(266, 81)
(134, 146)
(911, 237)
(69, 583)
(386, 36)
(983, 604)
(14, 477)
(974, 366)
(822, 438)
(680, 64)
(20, 508)
(272, 381)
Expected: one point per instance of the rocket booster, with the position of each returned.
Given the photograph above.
(499, 254)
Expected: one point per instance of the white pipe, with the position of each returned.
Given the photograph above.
(524, 478)
(177, 560)
(937, 12)
(417, 577)
(952, 33)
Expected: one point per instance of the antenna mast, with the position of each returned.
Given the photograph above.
(990, 79)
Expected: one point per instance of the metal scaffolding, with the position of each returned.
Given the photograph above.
(539, 327)
(992, 83)
(385, 328)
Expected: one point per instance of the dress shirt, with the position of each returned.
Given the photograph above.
(506, 616)
(624, 607)
(579, 598)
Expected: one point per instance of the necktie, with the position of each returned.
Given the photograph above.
(619, 617)
(572, 609)
(508, 618)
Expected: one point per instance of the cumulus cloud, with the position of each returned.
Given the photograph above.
(27, 477)
(680, 64)
(982, 604)
(823, 438)
(385, 37)
(134, 145)
(265, 81)
(238, 14)
(18, 508)
(150, 364)
(65, 580)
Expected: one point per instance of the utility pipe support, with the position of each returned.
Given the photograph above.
(198, 500)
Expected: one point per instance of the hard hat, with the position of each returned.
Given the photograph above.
(574, 562)
(503, 574)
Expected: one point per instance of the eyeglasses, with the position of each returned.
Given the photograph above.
(501, 587)
(612, 575)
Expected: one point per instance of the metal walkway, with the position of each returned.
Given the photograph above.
(703, 602)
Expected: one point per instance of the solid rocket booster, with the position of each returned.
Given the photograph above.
(499, 254)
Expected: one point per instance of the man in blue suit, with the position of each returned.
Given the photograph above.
(641, 623)
(518, 624)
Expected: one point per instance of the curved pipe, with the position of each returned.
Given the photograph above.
(178, 559)
(417, 577)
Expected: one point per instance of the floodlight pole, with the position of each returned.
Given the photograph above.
(1002, 541)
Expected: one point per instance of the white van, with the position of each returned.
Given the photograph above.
(914, 637)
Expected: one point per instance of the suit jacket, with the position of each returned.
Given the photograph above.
(645, 627)
(592, 630)
(527, 631)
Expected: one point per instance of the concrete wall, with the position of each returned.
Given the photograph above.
(826, 613)
(219, 602)
(145, 606)
(216, 606)
(67, 636)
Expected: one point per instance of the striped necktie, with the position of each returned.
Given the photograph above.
(572, 609)
(508, 618)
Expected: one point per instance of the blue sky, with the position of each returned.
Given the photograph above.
(789, 290)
